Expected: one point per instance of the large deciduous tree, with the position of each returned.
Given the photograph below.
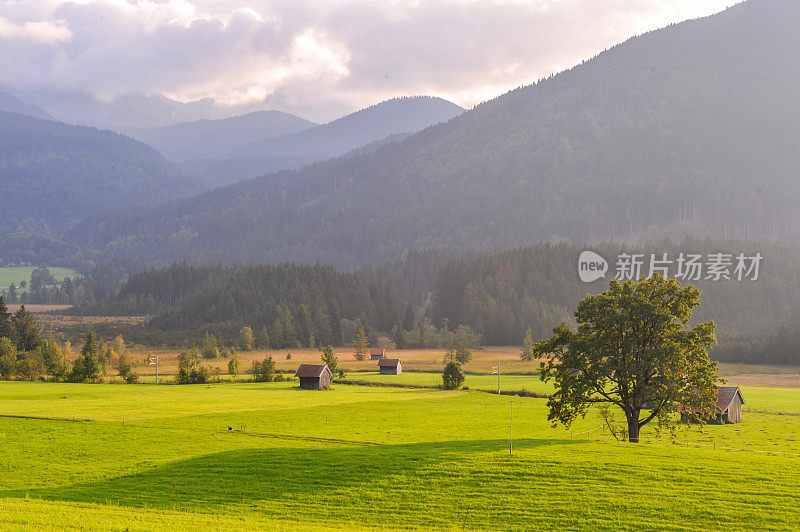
(633, 348)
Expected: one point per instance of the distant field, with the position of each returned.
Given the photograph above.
(113, 457)
(17, 274)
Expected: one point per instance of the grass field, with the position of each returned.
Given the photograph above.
(17, 274)
(162, 457)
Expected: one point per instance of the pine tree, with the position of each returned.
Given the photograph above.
(330, 358)
(304, 325)
(6, 327)
(25, 329)
(336, 324)
(527, 346)
(408, 318)
(263, 338)
(360, 344)
(87, 366)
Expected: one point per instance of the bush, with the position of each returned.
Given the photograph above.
(453, 376)
(264, 370)
(8, 358)
(124, 368)
(233, 365)
(210, 347)
(189, 369)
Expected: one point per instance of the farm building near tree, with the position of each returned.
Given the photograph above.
(390, 366)
(314, 376)
(729, 405)
(375, 354)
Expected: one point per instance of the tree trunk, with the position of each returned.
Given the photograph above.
(633, 426)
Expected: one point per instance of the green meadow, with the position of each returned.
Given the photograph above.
(17, 274)
(531, 383)
(248, 455)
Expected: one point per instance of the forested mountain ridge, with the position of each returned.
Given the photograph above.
(333, 139)
(688, 129)
(204, 139)
(53, 174)
(12, 104)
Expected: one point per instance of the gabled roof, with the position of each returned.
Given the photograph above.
(725, 395)
(377, 351)
(311, 370)
(390, 362)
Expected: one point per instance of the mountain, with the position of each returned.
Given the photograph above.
(11, 104)
(691, 129)
(370, 125)
(52, 175)
(129, 111)
(217, 138)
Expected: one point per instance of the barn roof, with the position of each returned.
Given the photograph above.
(390, 362)
(377, 351)
(725, 395)
(311, 370)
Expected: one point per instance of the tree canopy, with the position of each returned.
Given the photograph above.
(633, 348)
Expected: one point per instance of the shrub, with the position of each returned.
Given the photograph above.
(233, 365)
(124, 368)
(264, 370)
(189, 369)
(8, 358)
(210, 347)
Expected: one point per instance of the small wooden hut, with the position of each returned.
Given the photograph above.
(375, 354)
(729, 405)
(314, 376)
(390, 366)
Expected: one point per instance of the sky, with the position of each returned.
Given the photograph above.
(319, 59)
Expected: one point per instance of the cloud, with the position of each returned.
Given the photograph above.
(318, 59)
(33, 32)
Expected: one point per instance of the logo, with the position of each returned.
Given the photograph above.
(591, 266)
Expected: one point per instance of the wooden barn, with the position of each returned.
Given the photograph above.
(314, 376)
(375, 354)
(390, 366)
(729, 405)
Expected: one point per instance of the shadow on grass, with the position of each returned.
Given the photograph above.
(220, 480)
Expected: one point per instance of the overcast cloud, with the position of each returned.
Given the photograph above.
(316, 58)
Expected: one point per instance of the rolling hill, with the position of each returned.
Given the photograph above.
(690, 129)
(129, 111)
(291, 151)
(217, 138)
(53, 175)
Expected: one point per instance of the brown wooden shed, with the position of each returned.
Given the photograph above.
(314, 376)
(375, 354)
(729, 405)
(390, 366)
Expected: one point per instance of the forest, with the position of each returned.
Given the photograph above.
(58, 174)
(430, 297)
